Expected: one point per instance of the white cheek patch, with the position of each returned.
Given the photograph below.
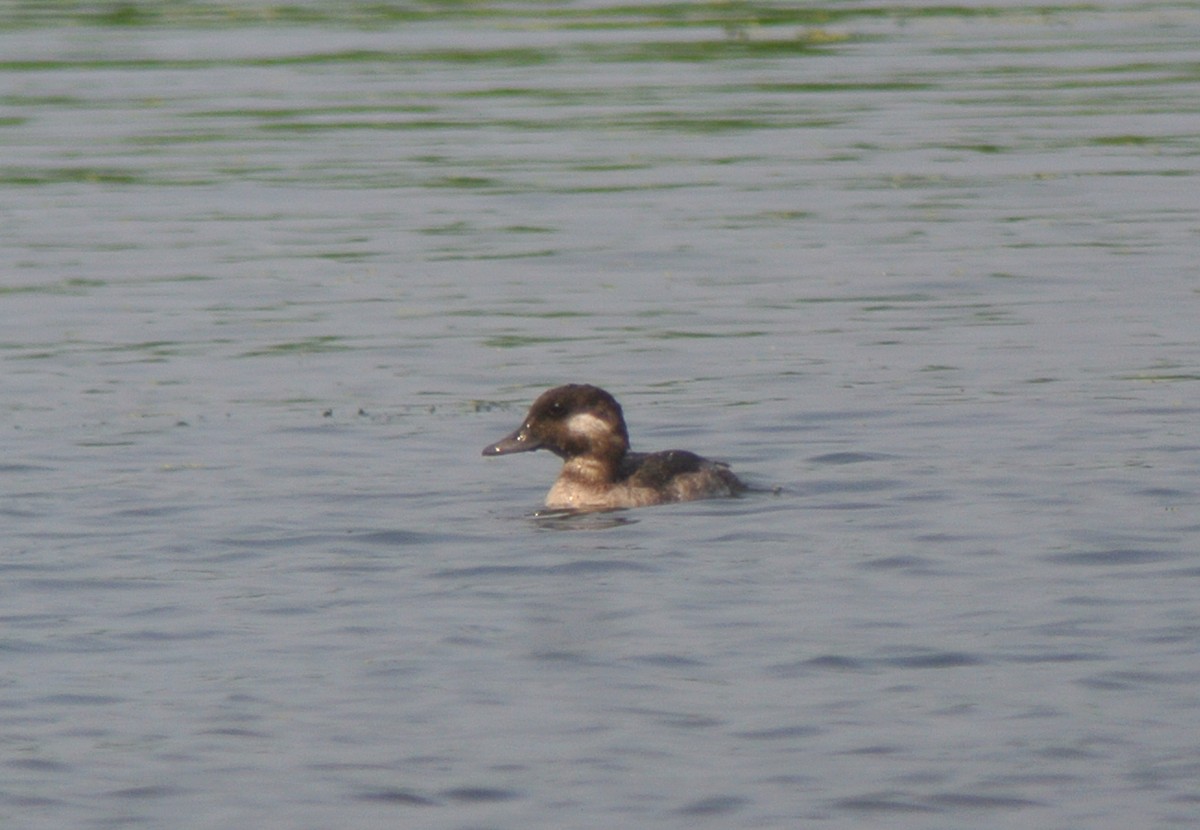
(587, 424)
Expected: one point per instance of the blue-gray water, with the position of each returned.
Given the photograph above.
(273, 275)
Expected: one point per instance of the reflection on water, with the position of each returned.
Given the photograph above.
(276, 270)
(573, 520)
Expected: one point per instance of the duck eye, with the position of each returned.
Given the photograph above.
(557, 409)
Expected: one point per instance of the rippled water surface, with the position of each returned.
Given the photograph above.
(274, 274)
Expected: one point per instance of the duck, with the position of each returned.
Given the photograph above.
(585, 427)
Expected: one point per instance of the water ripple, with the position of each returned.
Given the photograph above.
(578, 568)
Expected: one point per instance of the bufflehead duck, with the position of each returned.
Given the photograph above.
(584, 426)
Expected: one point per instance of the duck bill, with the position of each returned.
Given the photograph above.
(518, 441)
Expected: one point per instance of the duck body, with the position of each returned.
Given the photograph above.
(584, 426)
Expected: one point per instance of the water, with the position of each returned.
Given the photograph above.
(275, 275)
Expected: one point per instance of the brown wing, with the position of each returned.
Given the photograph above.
(656, 469)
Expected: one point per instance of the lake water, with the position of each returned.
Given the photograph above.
(274, 274)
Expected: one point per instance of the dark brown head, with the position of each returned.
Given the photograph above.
(570, 421)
